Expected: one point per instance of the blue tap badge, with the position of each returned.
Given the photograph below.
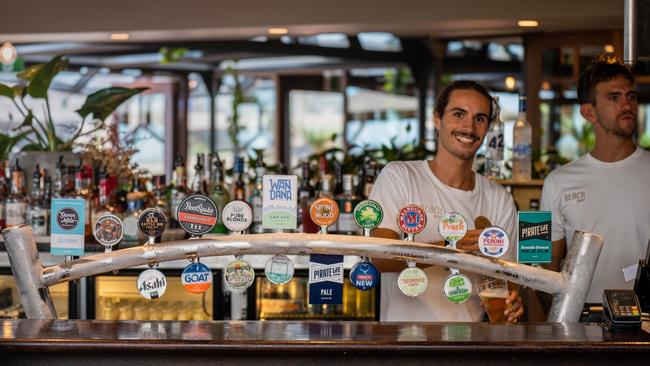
(364, 276)
(67, 223)
(534, 237)
(325, 279)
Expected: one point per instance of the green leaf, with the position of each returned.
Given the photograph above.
(40, 83)
(29, 119)
(7, 143)
(6, 91)
(103, 102)
(29, 73)
(19, 90)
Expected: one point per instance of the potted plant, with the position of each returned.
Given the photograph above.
(38, 135)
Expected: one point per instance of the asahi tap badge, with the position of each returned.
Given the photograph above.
(457, 288)
(108, 231)
(237, 216)
(279, 269)
(411, 220)
(239, 274)
(364, 275)
(493, 242)
(151, 223)
(197, 214)
(196, 278)
(151, 284)
(324, 212)
(368, 215)
(412, 281)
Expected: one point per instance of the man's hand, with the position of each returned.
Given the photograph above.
(470, 241)
(516, 309)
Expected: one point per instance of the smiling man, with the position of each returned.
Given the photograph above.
(463, 113)
(605, 191)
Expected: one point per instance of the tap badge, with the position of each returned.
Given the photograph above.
(324, 212)
(457, 288)
(108, 230)
(364, 276)
(151, 284)
(196, 278)
(67, 218)
(279, 269)
(493, 242)
(152, 222)
(237, 216)
(197, 214)
(412, 281)
(239, 274)
(452, 227)
(368, 214)
(411, 219)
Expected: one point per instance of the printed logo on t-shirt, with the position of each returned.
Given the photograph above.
(577, 196)
(434, 211)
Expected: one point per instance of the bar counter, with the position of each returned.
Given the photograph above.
(92, 342)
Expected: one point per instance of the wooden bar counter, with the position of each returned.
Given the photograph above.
(93, 343)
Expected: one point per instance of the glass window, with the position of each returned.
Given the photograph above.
(198, 120)
(379, 41)
(337, 40)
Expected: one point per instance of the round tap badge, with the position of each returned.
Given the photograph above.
(411, 219)
(67, 218)
(196, 278)
(412, 281)
(237, 216)
(108, 230)
(493, 242)
(152, 222)
(239, 274)
(452, 227)
(279, 269)
(324, 212)
(151, 284)
(368, 214)
(457, 288)
(197, 214)
(364, 276)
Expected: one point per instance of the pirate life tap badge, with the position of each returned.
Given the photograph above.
(239, 274)
(152, 222)
(368, 215)
(457, 288)
(412, 281)
(364, 275)
(411, 220)
(151, 284)
(197, 214)
(279, 269)
(452, 227)
(324, 212)
(237, 216)
(493, 242)
(108, 231)
(196, 278)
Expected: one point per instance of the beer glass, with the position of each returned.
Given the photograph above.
(493, 293)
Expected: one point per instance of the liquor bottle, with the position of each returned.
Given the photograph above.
(522, 145)
(135, 204)
(160, 200)
(4, 193)
(16, 202)
(306, 194)
(37, 215)
(69, 180)
(326, 186)
(239, 192)
(256, 196)
(59, 178)
(338, 190)
(219, 193)
(494, 151)
(179, 189)
(370, 176)
(197, 182)
(105, 206)
(47, 197)
(347, 201)
(82, 191)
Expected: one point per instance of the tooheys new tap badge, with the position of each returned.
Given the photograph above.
(196, 278)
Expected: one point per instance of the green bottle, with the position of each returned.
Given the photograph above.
(219, 194)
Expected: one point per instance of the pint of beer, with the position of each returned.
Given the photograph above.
(493, 294)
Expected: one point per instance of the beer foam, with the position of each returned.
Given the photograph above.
(495, 292)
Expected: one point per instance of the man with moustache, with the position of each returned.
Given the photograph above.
(463, 113)
(605, 191)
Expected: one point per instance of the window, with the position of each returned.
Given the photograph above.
(379, 41)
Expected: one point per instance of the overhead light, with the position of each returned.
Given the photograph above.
(609, 48)
(119, 36)
(511, 83)
(8, 54)
(278, 31)
(527, 23)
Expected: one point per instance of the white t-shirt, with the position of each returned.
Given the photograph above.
(405, 182)
(610, 199)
